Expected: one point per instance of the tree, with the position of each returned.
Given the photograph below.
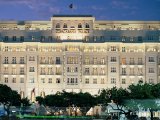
(40, 100)
(25, 102)
(9, 97)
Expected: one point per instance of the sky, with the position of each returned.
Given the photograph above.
(101, 9)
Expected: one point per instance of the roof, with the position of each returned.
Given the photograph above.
(72, 16)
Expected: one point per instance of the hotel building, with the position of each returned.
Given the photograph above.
(78, 53)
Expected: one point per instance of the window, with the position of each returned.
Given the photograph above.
(21, 80)
(42, 38)
(140, 61)
(123, 61)
(87, 25)
(151, 70)
(102, 61)
(139, 38)
(31, 79)
(94, 38)
(6, 60)
(76, 69)
(86, 72)
(102, 71)
(86, 60)
(131, 71)
(13, 80)
(21, 38)
(21, 71)
(87, 81)
(65, 25)
(101, 38)
(6, 80)
(123, 49)
(6, 38)
(94, 60)
(6, 48)
(58, 61)
(151, 80)
(124, 38)
(151, 59)
(57, 25)
(31, 69)
(113, 48)
(50, 38)
(113, 80)
(113, 59)
(72, 81)
(95, 71)
(123, 81)
(102, 80)
(123, 71)
(131, 61)
(58, 80)
(14, 38)
(113, 69)
(21, 60)
(13, 71)
(95, 81)
(86, 39)
(79, 25)
(31, 58)
(13, 60)
(49, 80)
(42, 80)
(5, 70)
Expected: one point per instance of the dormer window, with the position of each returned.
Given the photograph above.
(79, 25)
(65, 25)
(57, 25)
(87, 25)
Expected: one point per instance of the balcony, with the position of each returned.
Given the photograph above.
(140, 63)
(102, 74)
(86, 73)
(132, 63)
(95, 73)
(123, 74)
(58, 73)
(140, 74)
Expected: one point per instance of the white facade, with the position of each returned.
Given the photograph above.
(77, 53)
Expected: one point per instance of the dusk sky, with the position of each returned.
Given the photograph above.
(101, 9)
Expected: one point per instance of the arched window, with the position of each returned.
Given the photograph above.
(57, 25)
(65, 25)
(87, 25)
(79, 25)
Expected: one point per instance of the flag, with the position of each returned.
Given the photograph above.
(71, 6)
